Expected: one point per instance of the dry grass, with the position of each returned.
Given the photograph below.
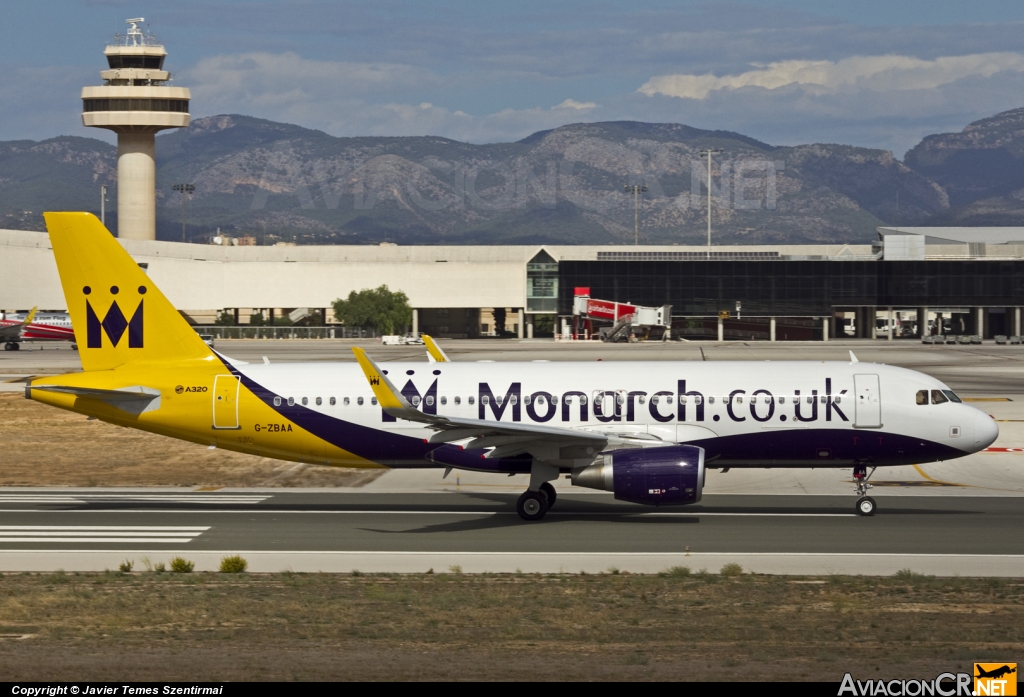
(44, 446)
(151, 626)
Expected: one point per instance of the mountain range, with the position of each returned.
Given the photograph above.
(280, 182)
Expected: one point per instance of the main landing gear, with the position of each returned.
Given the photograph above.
(12, 346)
(540, 497)
(865, 504)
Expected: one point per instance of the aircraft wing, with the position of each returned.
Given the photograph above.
(12, 332)
(543, 442)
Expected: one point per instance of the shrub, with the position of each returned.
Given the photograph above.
(182, 566)
(678, 571)
(732, 570)
(233, 565)
(126, 566)
(456, 569)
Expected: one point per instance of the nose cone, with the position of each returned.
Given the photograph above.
(985, 431)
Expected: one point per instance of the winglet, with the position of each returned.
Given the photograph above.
(853, 359)
(434, 351)
(31, 316)
(390, 399)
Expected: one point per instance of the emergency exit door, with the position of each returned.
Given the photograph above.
(868, 412)
(225, 402)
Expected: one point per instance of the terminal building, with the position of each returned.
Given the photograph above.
(963, 280)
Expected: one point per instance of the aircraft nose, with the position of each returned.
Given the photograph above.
(985, 430)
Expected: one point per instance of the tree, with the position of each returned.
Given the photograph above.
(379, 308)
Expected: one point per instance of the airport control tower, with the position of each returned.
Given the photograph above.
(135, 103)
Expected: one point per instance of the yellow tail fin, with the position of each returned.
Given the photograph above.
(118, 314)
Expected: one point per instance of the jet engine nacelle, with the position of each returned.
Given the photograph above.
(672, 475)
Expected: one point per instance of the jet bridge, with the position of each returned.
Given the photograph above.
(613, 321)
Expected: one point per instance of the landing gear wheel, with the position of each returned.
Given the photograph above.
(866, 506)
(15, 346)
(9, 346)
(532, 505)
(549, 491)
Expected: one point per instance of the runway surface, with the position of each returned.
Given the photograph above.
(480, 531)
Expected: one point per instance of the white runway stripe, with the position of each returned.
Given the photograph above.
(101, 533)
(175, 498)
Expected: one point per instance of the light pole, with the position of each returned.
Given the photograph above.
(103, 204)
(636, 190)
(185, 190)
(708, 152)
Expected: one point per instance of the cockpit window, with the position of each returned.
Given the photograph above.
(952, 396)
(938, 397)
(922, 396)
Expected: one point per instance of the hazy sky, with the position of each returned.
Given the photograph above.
(876, 73)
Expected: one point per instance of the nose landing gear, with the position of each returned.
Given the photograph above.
(865, 504)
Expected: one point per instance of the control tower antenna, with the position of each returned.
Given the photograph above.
(135, 103)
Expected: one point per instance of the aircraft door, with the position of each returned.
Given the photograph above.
(225, 402)
(868, 412)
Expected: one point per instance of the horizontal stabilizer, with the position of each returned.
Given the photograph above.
(134, 400)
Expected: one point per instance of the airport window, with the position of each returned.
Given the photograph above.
(938, 397)
(922, 397)
(458, 400)
(319, 401)
(305, 401)
(952, 396)
(333, 401)
(373, 400)
(359, 401)
(277, 401)
(179, 106)
(345, 401)
(291, 401)
(430, 401)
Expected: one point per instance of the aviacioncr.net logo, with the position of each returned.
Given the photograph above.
(943, 685)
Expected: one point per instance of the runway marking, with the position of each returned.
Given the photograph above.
(933, 479)
(168, 498)
(163, 534)
(458, 513)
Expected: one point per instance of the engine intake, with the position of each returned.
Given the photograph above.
(667, 476)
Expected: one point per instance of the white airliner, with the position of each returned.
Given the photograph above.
(646, 431)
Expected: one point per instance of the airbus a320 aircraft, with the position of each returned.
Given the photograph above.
(647, 431)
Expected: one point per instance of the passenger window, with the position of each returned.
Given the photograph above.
(485, 400)
(444, 400)
(373, 400)
(838, 399)
(430, 401)
(415, 401)
(470, 399)
(782, 400)
(554, 400)
(810, 400)
(938, 397)
(655, 399)
(922, 396)
(642, 399)
(711, 400)
(668, 400)
(333, 401)
(458, 400)
(305, 401)
(583, 399)
(345, 401)
(513, 399)
(359, 401)
(697, 400)
(277, 401)
(291, 401)
(526, 400)
(822, 399)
